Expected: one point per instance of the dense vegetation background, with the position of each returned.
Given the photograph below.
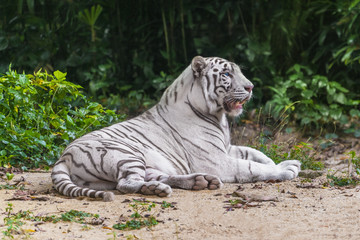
(302, 56)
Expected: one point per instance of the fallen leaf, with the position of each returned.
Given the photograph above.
(306, 186)
(257, 186)
(97, 221)
(109, 228)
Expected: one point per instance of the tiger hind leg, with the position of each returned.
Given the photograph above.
(131, 179)
(195, 181)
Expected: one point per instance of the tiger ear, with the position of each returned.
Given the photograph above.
(198, 64)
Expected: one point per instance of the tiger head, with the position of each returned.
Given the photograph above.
(224, 86)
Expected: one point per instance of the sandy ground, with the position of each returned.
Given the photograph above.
(300, 209)
(297, 212)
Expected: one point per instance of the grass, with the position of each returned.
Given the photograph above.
(351, 177)
(304, 152)
(141, 216)
(14, 221)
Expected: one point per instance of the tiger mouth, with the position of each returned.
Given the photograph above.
(236, 104)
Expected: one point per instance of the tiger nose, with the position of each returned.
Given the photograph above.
(249, 88)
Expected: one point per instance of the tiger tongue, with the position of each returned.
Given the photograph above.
(237, 105)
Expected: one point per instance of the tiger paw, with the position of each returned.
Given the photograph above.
(289, 169)
(206, 181)
(156, 188)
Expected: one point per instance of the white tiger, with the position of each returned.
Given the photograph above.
(182, 142)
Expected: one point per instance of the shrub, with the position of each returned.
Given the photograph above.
(40, 114)
(312, 99)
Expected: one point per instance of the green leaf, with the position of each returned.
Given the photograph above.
(300, 84)
(339, 87)
(41, 142)
(330, 90)
(60, 75)
(9, 176)
(307, 94)
(340, 98)
(354, 113)
(4, 43)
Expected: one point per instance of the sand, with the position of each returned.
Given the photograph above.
(303, 208)
(300, 210)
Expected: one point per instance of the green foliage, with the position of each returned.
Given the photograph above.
(140, 218)
(40, 114)
(13, 221)
(355, 161)
(341, 181)
(120, 49)
(311, 98)
(351, 178)
(302, 152)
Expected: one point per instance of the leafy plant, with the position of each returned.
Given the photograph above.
(139, 218)
(40, 114)
(355, 161)
(350, 178)
(302, 152)
(342, 181)
(90, 18)
(311, 98)
(14, 221)
(305, 153)
(123, 50)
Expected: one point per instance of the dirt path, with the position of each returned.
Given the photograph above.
(296, 213)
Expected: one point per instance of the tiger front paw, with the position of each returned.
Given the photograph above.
(289, 169)
(156, 188)
(207, 181)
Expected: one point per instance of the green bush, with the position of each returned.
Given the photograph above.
(40, 114)
(312, 99)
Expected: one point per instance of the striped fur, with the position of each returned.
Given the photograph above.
(181, 142)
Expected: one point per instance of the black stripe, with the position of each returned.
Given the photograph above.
(112, 130)
(216, 146)
(55, 182)
(241, 153)
(104, 131)
(68, 191)
(63, 185)
(202, 116)
(123, 125)
(60, 161)
(216, 136)
(208, 82)
(89, 155)
(102, 160)
(126, 174)
(78, 165)
(92, 194)
(122, 162)
(59, 172)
